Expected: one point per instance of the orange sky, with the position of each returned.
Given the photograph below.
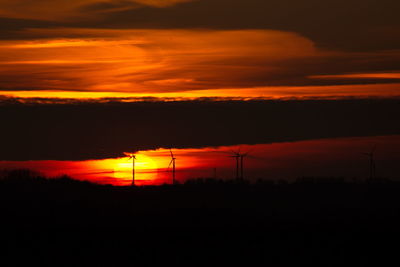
(198, 48)
(180, 63)
(148, 61)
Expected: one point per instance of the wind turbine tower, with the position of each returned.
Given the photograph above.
(133, 157)
(173, 163)
(372, 165)
(237, 156)
(242, 156)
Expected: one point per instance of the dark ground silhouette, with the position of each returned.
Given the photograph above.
(205, 222)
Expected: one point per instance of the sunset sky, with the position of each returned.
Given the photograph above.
(196, 48)
(317, 158)
(87, 80)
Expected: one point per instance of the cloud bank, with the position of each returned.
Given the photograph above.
(90, 130)
(153, 62)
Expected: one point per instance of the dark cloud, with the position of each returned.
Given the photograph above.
(13, 29)
(88, 130)
(338, 24)
(335, 24)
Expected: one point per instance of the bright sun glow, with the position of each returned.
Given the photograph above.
(144, 166)
(120, 169)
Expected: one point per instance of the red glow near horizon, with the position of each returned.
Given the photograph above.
(320, 158)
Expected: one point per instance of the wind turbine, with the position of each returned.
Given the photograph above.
(239, 163)
(236, 155)
(372, 165)
(173, 159)
(242, 156)
(133, 157)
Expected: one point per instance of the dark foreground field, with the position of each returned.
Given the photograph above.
(320, 222)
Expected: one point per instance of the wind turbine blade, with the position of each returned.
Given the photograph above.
(373, 149)
(172, 154)
(237, 152)
(223, 152)
(248, 152)
(169, 166)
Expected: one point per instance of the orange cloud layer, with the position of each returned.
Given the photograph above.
(149, 61)
(184, 63)
(378, 75)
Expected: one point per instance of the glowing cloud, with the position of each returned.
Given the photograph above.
(191, 62)
(149, 61)
(378, 75)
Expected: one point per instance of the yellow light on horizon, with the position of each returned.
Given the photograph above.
(143, 165)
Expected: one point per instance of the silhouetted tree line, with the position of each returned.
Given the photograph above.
(203, 222)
